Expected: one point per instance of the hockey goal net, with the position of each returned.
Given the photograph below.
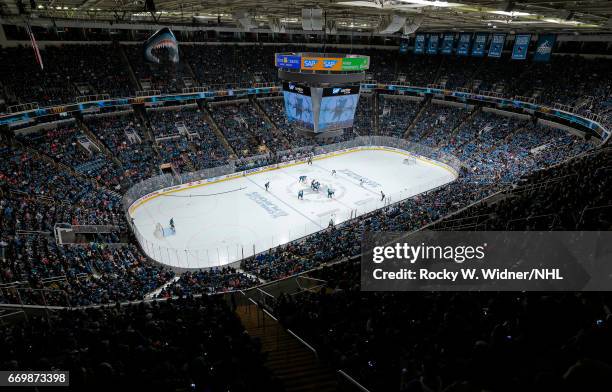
(159, 231)
(410, 161)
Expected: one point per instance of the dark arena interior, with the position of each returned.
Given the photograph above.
(245, 196)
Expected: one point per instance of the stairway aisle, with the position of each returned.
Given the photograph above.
(287, 358)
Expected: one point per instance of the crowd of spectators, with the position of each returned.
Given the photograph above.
(396, 115)
(363, 123)
(473, 341)
(186, 344)
(124, 136)
(73, 70)
(35, 195)
(68, 144)
(216, 280)
(441, 341)
(388, 341)
(437, 122)
(496, 150)
(185, 138)
(275, 109)
(246, 130)
(69, 71)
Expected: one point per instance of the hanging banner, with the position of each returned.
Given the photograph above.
(479, 45)
(403, 48)
(447, 44)
(432, 47)
(463, 47)
(521, 45)
(544, 48)
(419, 44)
(497, 45)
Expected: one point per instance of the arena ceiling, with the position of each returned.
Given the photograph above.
(340, 15)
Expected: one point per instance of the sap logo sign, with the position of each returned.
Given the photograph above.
(335, 90)
(310, 63)
(329, 63)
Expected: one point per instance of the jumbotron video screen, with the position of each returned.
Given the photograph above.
(298, 105)
(338, 106)
(320, 109)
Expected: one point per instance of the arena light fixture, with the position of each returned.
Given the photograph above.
(432, 3)
(510, 13)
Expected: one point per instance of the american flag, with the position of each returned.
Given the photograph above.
(34, 46)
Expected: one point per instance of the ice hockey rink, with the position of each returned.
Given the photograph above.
(222, 222)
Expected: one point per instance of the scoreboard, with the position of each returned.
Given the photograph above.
(312, 62)
(320, 109)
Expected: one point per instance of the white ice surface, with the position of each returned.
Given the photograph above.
(223, 222)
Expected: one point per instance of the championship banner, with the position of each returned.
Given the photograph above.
(403, 48)
(521, 45)
(463, 47)
(479, 45)
(546, 42)
(432, 46)
(419, 44)
(447, 44)
(497, 45)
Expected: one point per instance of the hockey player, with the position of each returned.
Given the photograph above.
(382, 196)
(361, 182)
(301, 194)
(267, 185)
(172, 224)
(330, 193)
(333, 173)
(310, 160)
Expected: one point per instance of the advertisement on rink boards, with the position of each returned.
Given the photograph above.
(487, 261)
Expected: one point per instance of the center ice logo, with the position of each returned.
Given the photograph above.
(310, 63)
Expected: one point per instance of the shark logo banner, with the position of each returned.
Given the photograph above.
(161, 47)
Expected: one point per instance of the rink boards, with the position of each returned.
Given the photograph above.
(221, 220)
(214, 180)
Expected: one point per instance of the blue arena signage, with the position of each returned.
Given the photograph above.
(288, 61)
